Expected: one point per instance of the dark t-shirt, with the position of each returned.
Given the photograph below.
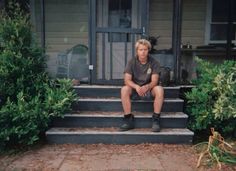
(141, 73)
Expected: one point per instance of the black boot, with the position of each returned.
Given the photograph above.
(128, 123)
(156, 122)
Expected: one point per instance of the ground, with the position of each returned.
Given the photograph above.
(69, 157)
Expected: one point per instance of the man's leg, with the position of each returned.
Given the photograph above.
(158, 93)
(125, 99)
(128, 121)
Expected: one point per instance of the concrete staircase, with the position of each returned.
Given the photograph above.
(98, 114)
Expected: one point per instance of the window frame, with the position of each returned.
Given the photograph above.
(209, 23)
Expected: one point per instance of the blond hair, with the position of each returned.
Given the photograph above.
(143, 42)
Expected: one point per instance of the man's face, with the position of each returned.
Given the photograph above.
(142, 51)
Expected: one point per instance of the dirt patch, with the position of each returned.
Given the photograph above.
(164, 157)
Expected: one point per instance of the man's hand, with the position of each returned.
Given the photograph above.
(142, 91)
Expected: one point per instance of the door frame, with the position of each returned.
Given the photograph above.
(93, 30)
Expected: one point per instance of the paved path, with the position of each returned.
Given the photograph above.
(147, 157)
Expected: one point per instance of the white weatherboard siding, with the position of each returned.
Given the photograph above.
(193, 22)
(66, 25)
(160, 22)
(193, 26)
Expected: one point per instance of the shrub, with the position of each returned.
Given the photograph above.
(29, 98)
(23, 120)
(21, 58)
(212, 103)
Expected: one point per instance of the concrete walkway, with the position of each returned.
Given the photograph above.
(103, 157)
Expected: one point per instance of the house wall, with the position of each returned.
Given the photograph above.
(160, 22)
(193, 22)
(193, 28)
(66, 25)
(193, 32)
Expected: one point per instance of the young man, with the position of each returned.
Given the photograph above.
(141, 78)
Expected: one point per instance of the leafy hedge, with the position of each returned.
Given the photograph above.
(29, 99)
(212, 103)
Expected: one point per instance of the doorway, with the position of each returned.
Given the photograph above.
(115, 27)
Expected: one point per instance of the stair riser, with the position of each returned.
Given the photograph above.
(115, 92)
(117, 139)
(90, 122)
(83, 124)
(116, 106)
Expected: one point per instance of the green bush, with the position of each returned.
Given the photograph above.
(21, 59)
(212, 103)
(29, 99)
(22, 121)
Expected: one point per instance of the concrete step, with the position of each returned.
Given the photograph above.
(113, 136)
(114, 104)
(114, 91)
(114, 119)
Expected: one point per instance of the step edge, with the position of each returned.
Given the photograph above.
(119, 100)
(121, 116)
(163, 132)
(114, 87)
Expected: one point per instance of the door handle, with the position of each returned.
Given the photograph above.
(144, 30)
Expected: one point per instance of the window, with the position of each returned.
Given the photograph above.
(218, 21)
(119, 17)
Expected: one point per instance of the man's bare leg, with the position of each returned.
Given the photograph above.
(128, 122)
(158, 93)
(125, 99)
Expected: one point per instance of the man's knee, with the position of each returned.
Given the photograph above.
(126, 91)
(158, 91)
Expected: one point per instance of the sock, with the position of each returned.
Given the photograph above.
(128, 115)
(156, 114)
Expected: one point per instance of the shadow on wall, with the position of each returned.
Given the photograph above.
(74, 63)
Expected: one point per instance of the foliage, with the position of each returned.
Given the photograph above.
(23, 4)
(216, 150)
(23, 120)
(20, 56)
(28, 98)
(212, 103)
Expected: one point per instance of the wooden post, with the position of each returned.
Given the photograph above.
(43, 23)
(229, 30)
(176, 36)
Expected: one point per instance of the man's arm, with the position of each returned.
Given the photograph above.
(154, 81)
(141, 90)
(129, 82)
